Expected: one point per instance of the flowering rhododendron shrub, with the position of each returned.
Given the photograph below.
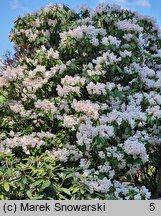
(80, 117)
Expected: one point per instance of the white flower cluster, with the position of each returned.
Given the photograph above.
(146, 75)
(68, 152)
(129, 25)
(26, 142)
(106, 168)
(78, 33)
(123, 189)
(107, 58)
(125, 54)
(101, 88)
(32, 35)
(131, 114)
(93, 70)
(86, 133)
(102, 186)
(101, 8)
(134, 147)
(110, 40)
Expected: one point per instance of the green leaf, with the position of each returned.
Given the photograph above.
(75, 190)
(69, 176)
(29, 194)
(115, 162)
(2, 99)
(82, 191)
(6, 186)
(61, 197)
(2, 197)
(45, 184)
(102, 141)
(65, 190)
(38, 182)
(128, 131)
(37, 197)
(119, 69)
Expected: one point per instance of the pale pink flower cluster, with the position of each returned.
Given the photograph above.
(61, 154)
(1, 67)
(52, 22)
(33, 85)
(72, 81)
(99, 88)
(51, 54)
(39, 69)
(70, 121)
(87, 107)
(65, 90)
(46, 106)
(11, 74)
(37, 22)
(17, 107)
(70, 85)
(3, 82)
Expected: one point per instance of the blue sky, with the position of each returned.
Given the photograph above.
(11, 9)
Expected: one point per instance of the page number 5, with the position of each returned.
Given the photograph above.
(152, 207)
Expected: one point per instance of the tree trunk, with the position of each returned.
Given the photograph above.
(158, 190)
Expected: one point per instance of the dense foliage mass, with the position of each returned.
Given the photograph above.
(80, 114)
